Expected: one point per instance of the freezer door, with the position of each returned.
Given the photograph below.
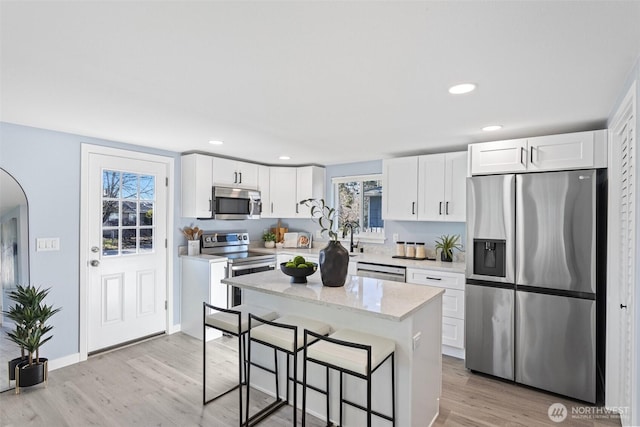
(556, 230)
(491, 221)
(489, 315)
(556, 345)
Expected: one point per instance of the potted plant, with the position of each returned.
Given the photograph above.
(447, 243)
(29, 315)
(269, 239)
(334, 258)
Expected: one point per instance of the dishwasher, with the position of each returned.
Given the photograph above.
(381, 271)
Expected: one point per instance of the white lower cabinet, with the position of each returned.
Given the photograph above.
(201, 282)
(452, 305)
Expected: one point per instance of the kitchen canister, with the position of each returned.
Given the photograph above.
(420, 251)
(193, 247)
(399, 248)
(410, 251)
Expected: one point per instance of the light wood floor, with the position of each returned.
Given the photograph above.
(158, 382)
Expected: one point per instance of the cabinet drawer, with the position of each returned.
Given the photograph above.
(453, 303)
(441, 279)
(453, 332)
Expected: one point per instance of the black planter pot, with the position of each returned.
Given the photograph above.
(334, 264)
(445, 258)
(12, 366)
(31, 375)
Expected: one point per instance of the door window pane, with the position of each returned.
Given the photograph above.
(129, 185)
(110, 242)
(146, 240)
(110, 213)
(129, 241)
(129, 214)
(128, 200)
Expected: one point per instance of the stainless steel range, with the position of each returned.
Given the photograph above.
(235, 246)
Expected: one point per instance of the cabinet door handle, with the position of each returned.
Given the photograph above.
(522, 150)
(446, 209)
(240, 173)
(531, 156)
(235, 177)
(210, 206)
(413, 208)
(440, 208)
(297, 208)
(433, 278)
(271, 207)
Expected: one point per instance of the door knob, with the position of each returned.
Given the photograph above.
(94, 263)
(622, 306)
(95, 249)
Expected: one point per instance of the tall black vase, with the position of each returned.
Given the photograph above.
(334, 264)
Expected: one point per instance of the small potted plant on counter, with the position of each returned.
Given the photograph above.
(447, 244)
(269, 239)
(30, 316)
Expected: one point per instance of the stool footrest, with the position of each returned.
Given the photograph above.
(235, 387)
(362, 408)
(266, 411)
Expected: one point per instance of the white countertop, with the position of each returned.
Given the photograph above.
(363, 295)
(205, 258)
(452, 267)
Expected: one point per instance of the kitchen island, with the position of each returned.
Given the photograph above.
(411, 315)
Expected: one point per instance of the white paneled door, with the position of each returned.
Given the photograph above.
(126, 249)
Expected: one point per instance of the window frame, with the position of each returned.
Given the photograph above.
(361, 236)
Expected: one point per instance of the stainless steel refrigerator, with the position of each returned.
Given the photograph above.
(536, 280)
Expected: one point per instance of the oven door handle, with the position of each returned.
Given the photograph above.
(253, 265)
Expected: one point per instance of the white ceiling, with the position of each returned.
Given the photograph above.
(323, 82)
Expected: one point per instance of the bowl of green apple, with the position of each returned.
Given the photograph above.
(298, 269)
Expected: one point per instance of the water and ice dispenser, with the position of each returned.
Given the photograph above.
(489, 257)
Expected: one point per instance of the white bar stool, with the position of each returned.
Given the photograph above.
(285, 334)
(349, 352)
(234, 322)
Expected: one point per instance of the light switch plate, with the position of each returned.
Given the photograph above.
(47, 244)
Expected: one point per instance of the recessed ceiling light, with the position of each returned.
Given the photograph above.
(212, 142)
(284, 158)
(491, 128)
(462, 88)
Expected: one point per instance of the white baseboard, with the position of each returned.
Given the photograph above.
(61, 362)
(458, 353)
(173, 329)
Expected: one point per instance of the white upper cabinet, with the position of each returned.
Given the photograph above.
(498, 156)
(235, 173)
(425, 188)
(545, 153)
(288, 186)
(310, 184)
(400, 183)
(442, 187)
(263, 187)
(566, 151)
(282, 191)
(196, 185)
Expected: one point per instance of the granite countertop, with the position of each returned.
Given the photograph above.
(362, 295)
(452, 267)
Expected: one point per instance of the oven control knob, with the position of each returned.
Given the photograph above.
(207, 239)
(244, 237)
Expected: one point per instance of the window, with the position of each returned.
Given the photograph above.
(358, 202)
(127, 213)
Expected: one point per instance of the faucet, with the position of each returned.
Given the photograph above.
(350, 225)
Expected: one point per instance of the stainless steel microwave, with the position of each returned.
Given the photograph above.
(235, 203)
